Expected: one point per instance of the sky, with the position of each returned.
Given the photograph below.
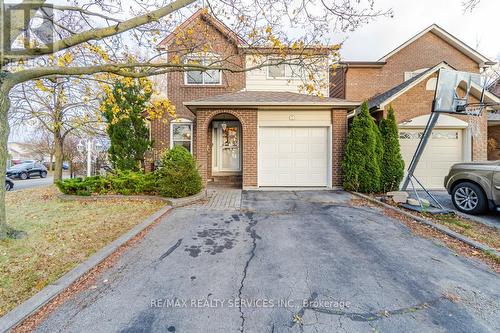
(478, 29)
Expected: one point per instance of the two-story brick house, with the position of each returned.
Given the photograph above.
(253, 125)
(257, 124)
(406, 79)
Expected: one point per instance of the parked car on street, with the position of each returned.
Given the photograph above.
(9, 184)
(27, 169)
(474, 186)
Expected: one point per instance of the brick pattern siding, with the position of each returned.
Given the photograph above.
(425, 52)
(248, 120)
(339, 138)
(178, 92)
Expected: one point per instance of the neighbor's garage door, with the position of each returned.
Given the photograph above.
(444, 148)
(293, 156)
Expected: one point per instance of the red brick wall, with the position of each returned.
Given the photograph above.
(425, 52)
(339, 138)
(178, 92)
(248, 120)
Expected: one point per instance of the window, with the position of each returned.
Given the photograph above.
(431, 84)
(181, 134)
(150, 128)
(280, 70)
(409, 75)
(445, 135)
(410, 135)
(209, 77)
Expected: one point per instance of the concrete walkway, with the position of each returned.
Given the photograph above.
(285, 262)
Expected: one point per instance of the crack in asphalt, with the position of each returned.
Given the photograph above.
(253, 234)
(170, 250)
(373, 316)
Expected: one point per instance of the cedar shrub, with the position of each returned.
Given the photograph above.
(361, 163)
(392, 161)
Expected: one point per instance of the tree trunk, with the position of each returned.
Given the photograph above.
(58, 154)
(4, 136)
(51, 165)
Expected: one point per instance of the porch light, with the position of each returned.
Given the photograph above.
(224, 126)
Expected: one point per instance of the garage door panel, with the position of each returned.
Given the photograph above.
(444, 148)
(300, 156)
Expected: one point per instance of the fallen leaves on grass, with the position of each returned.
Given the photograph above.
(60, 235)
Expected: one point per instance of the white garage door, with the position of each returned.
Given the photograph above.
(293, 156)
(444, 148)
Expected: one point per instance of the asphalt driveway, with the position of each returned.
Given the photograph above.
(489, 218)
(285, 262)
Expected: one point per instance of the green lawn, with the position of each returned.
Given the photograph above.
(60, 235)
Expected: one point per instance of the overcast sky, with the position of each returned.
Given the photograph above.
(477, 29)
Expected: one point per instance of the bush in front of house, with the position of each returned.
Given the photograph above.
(121, 182)
(84, 186)
(178, 175)
(361, 163)
(392, 162)
(130, 182)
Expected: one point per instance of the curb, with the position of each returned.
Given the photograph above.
(188, 200)
(30, 306)
(170, 201)
(443, 229)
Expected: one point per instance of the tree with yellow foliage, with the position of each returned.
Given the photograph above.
(259, 25)
(122, 108)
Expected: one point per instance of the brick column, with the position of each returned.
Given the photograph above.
(339, 138)
(201, 144)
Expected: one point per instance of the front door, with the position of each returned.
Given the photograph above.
(226, 143)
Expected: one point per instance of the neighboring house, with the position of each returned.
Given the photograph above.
(20, 151)
(406, 79)
(258, 127)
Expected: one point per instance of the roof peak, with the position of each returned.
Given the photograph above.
(447, 37)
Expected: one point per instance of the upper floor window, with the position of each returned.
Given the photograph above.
(279, 69)
(409, 75)
(181, 134)
(208, 77)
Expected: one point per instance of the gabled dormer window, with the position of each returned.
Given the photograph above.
(209, 77)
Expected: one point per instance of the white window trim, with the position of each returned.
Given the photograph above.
(181, 121)
(149, 125)
(202, 58)
(297, 76)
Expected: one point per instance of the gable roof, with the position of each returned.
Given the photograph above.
(450, 39)
(202, 14)
(382, 100)
(269, 99)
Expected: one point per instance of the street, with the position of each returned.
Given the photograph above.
(34, 182)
